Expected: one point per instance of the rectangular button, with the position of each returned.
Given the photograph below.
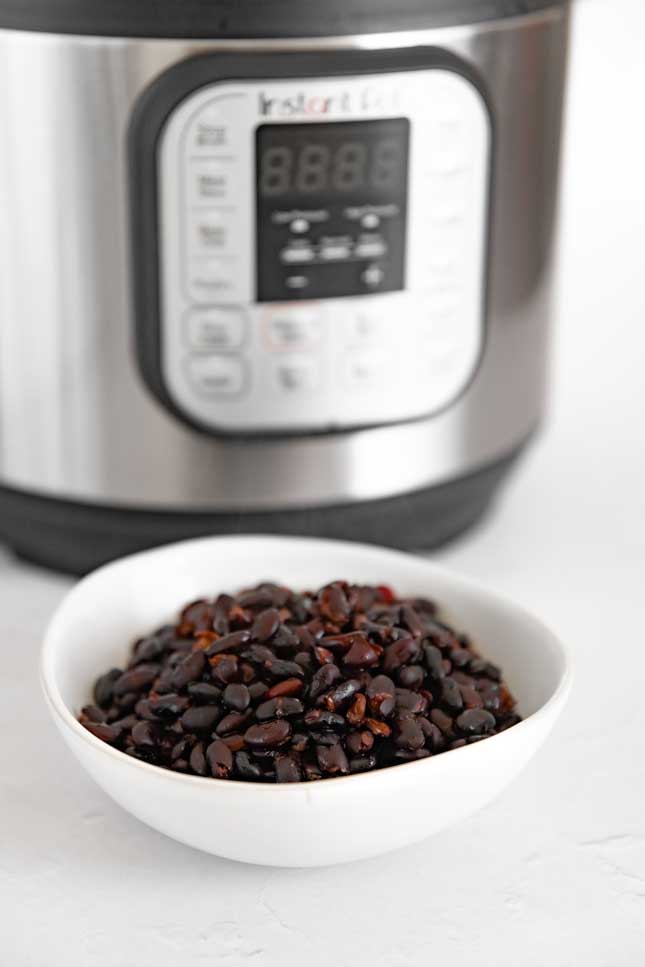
(211, 280)
(291, 328)
(216, 375)
(212, 232)
(370, 249)
(297, 255)
(335, 251)
(213, 328)
(296, 374)
(210, 182)
(208, 132)
(448, 150)
(367, 370)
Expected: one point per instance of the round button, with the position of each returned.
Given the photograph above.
(370, 221)
(299, 226)
(372, 276)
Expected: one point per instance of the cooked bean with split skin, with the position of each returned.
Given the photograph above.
(274, 685)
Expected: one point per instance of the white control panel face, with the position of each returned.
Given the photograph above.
(323, 249)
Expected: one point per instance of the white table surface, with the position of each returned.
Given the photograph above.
(554, 871)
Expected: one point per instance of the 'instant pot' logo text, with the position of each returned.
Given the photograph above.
(308, 105)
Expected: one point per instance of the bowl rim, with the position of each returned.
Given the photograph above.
(60, 710)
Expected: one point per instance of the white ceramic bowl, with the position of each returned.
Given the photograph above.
(315, 823)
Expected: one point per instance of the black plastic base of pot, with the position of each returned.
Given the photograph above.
(76, 538)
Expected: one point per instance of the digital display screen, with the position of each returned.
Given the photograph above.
(331, 158)
(331, 208)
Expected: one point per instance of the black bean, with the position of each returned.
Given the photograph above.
(362, 763)
(164, 683)
(320, 719)
(134, 680)
(258, 653)
(127, 723)
(324, 737)
(356, 712)
(226, 671)
(299, 741)
(434, 662)
(221, 611)
(407, 701)
(450, 695)
(189, 670)
(197, 613)
(334, 604)
(143, 710)
(409, 734)
(410, 619)
(323, 679)
(220, 759)
(93, 713)
(285, 638)
(340, 695)
(459, 657)
(358, 743)
(362, 653)
(228, 643)
(203, 693)
(433, 734)
(233, 722)
(289, 686)
(107, 733)
(277, 668)
(181, 749)
(168, 706)
(409, 755)
(507, 721)
(149, 649)
(411, 676)
(125, 703)
(235, 742)
(236, 697)
(200, 718)
(442, 721)
(246, 767)
(304, 659)
(287, 769)
(401, 652)
(181, 646)
(471, 697)
(277, 708)
(198, 760)
(145, 735)
(268, 735)
(265, 625)
(332, 759)
(104, 687)
(475, 721)
(311, 770)
(261, 597)
(258, 690)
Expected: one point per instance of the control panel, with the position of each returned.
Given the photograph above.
(322, 247)
(331, 208)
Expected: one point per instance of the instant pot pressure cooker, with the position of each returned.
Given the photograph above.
(270, 265)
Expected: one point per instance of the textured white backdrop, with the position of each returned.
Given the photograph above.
(552, 873)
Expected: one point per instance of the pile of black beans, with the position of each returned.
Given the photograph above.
(274, 685)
